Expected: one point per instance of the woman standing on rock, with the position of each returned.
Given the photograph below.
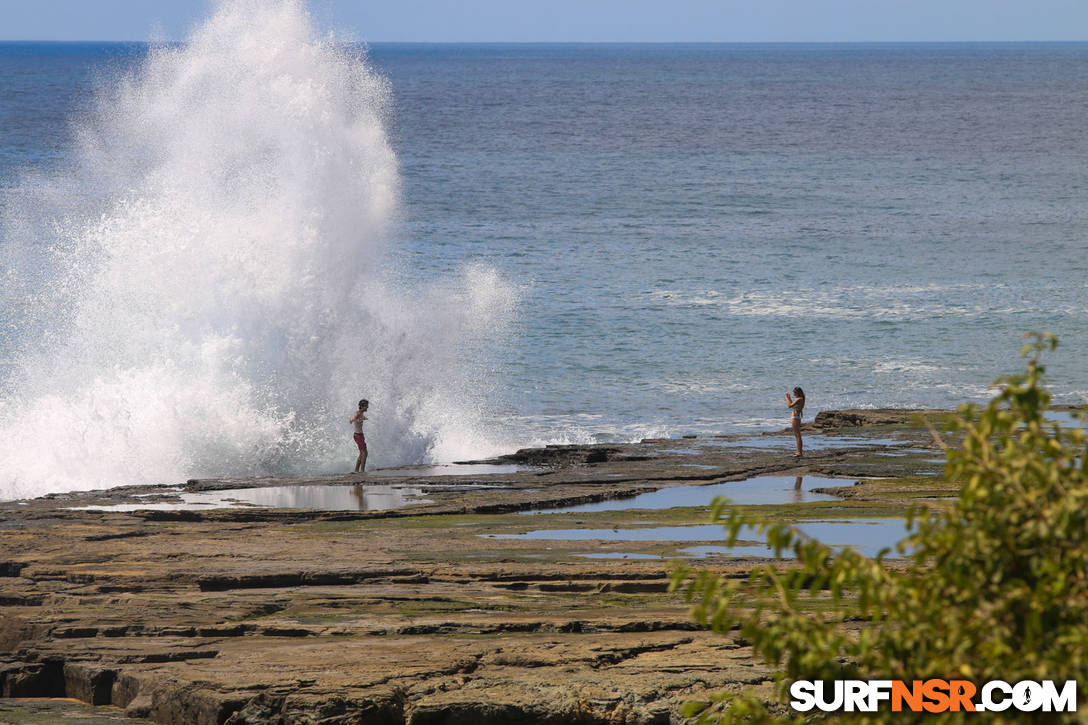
(796, 406)
(360, 440)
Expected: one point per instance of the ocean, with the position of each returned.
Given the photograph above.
(211, 250)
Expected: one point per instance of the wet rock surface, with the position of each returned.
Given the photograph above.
(838, 419)
(415, 614)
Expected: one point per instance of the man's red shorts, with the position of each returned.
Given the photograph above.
(361, 442)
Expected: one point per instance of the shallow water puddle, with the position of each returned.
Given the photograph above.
(753, 491)
(331, 498)
(1065, 418)
(867, 536)
(315, 497)
(811, 442)
(451, 469)
(749, 442)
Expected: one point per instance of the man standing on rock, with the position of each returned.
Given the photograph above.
(357, 421)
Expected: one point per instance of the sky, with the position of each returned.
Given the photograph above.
(583, 20)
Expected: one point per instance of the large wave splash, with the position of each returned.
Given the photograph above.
(202, 292)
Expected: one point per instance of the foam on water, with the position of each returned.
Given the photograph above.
(860, 302)
(203, 291)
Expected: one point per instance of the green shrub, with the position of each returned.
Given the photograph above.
(994, 589)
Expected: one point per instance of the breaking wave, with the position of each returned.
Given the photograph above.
(203, 290)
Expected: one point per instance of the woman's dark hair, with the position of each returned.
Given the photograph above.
(797, 392)
(364, 401)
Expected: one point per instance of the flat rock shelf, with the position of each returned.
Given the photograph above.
(417, 598)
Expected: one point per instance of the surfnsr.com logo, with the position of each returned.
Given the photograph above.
(933, 696)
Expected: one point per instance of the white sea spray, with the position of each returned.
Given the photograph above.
(202, 290)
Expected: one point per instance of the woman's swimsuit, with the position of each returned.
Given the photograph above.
(796, 410)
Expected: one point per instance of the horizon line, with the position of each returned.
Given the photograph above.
(601, 42)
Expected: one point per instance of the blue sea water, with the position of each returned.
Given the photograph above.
(692, 230)
(698, 228)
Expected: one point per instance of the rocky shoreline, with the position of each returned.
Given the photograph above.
(438, 611)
